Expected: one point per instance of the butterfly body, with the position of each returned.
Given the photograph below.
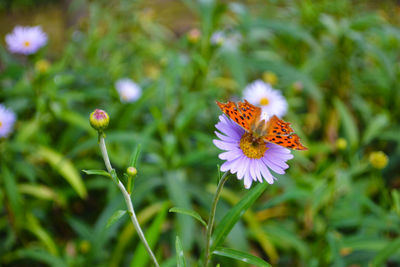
(274, 130)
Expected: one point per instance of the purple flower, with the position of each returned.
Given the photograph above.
(26, 40)
(249, 157)
(128, 90)
(7, 119)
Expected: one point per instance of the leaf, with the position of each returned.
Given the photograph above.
(233, 215)
(374, 128)
(348, 123)
(180, 257)
(13, 195)
(141, 257)
(33, 225)
(188, 212)
(115, 217)
(42, 192)
(65, 168)
(241, 256)
(179, 195)
(97, 172)
(386, 252)
(135, 156)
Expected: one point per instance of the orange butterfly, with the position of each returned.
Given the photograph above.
(274, 130)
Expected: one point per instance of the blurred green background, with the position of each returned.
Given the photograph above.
(336, 62)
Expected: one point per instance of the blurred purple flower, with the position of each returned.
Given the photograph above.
(26, 40)
(128, 90)
(252, 159)
(7, 120)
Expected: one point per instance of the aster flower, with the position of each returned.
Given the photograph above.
(252, 159)
(7, 120)
(26, 40)
(263, 95)
(128, 90)
(217, 38)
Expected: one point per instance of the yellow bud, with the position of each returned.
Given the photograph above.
(378, 159)
(194, 35)
(131, 171)
(270, 77)
(84, 246)
(341, 144)
(42, 66)
(99, 119)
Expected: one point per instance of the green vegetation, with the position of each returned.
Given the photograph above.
(336, 62)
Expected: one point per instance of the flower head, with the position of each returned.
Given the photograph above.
(263, 95)
(99, 119)
(128, 90)
(217, 38)
(26, 40)
(7, 120)
(378, 159)
(251, 158)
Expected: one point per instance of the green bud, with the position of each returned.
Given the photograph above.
(99, 119)
(131, 171)
(341, 144)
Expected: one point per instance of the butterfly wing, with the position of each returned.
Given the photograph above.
(279, 132)
(244, 113)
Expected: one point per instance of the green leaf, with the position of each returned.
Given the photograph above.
(241, 256)
(180, 257)
(188, 212)
(115, 217)
(141, 257)
(386, 252)
(65, 168)
(348, 123)
(233, 215)
(33, 225)
(180, 196)
(42, 192)
(97, 172)
(135, 156)
(13, 195)
(374, 128)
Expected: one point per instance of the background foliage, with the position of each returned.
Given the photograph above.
(337, 63)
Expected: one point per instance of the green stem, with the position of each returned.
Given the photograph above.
(210, 223)
(127, 198)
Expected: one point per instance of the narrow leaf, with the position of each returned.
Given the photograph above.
(97, 172)
(115, 217)
(233, 215)
(180, 257)
(135, 156)
(383, 255)
(241, 256)
(65, 168)
(188, 212)
(348, 123)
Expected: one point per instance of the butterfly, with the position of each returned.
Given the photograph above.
(274, 130)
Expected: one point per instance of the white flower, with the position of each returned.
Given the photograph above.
(7, 120)
(263, 95)
(229, 40)
(26, 40)
(217, 38)
(128, 90)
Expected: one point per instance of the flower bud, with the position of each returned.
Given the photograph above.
(270, 77)
(298, 86)
(193, 35)
(99, 119)
(341, 144)
(131, 171)
(378, 159)
(42, 66)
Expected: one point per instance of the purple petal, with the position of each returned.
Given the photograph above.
(230, 155)
(227, 138)
(276, 168)
(224, 145)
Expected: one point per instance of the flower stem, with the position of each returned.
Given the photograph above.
(127, 198)
(210, 223)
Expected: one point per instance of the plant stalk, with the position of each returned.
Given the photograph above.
(127, 198)
(211, 218)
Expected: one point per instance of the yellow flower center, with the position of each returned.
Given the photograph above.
(0, 124)
(27, 43)
(264, 101)
(252, 147)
